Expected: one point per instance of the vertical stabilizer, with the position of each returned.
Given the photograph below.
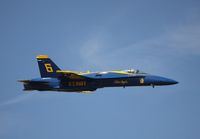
(47, 67)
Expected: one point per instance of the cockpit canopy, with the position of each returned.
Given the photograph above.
(133, 71)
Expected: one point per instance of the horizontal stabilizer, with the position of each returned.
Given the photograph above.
(31, 81)
(34, 85)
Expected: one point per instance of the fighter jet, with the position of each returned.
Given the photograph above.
(54, 79)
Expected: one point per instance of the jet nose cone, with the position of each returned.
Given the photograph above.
(170, 81)
(157, 80)
(166, 81)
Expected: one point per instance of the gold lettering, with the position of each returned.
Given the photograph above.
(120, 81)
(77, 83)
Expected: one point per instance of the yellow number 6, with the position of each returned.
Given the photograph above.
(48, 67)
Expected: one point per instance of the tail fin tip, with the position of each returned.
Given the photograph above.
(42, 56)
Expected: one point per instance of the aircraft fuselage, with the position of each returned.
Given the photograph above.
(54, 79)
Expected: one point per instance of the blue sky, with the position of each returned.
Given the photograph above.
(159, 37)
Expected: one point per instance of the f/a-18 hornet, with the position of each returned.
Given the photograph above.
(54, 79)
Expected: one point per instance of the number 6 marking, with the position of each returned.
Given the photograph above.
(48, 67)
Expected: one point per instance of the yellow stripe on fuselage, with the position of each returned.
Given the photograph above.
(82, 73)
(65, 71)
(119, 72)
(75, 72)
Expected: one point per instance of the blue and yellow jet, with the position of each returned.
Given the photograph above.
(55, 79)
